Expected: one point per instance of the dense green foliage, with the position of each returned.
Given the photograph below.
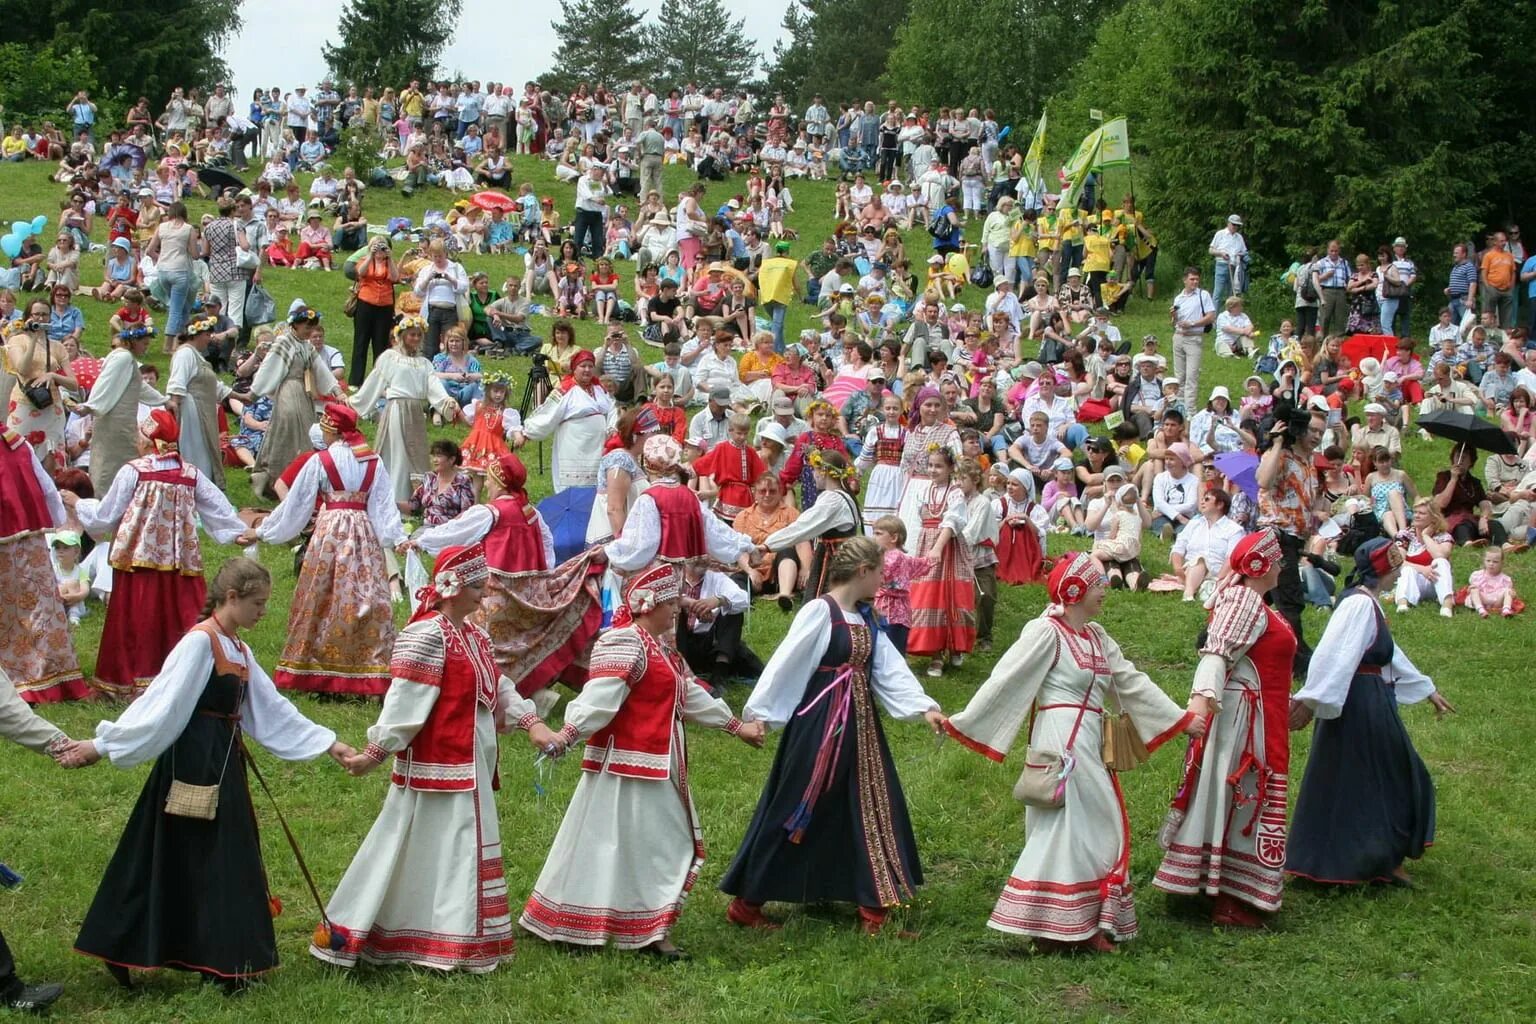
(135, 47)
(391, 42)
(837, 49)
(37, 82)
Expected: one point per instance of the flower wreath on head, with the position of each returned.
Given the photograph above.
(408, 323)
(203, 326)
(821, 465)
(498, 378)
(134, 333)
(819, 403)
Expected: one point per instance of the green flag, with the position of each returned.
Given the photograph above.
(1115, 144)
(1034, 155)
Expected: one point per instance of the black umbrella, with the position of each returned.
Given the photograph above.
(1465, 428)
(219, 181)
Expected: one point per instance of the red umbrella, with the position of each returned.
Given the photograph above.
(494, 201)
(1362, 346)
(85, 370)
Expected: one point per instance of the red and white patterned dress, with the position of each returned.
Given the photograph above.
(35, 647)
(630, 846)
(943, 597)
(427, 885)
(341, 624)
(1073, 877)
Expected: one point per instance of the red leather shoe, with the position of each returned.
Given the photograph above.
(749, 915)
(1232, 913)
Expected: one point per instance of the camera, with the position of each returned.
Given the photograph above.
(36, 325)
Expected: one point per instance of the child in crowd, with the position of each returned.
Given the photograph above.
(1490, 588)
(1021, 531)
(254, 420)
(970, 448)
(570, 292)
(893, 603)
(605, 290)
(72, 578)
(1120, 548)
(499, 232)
(1061, 501)
(1256, 402)
(730, 469)
(1037, 451)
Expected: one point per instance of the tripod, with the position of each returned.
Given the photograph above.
(535, 391)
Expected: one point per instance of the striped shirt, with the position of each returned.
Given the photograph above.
(1463, 277)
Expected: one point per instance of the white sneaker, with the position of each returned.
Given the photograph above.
(1402, 606)
(1445, 611)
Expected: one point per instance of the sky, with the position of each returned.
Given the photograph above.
(280, 42)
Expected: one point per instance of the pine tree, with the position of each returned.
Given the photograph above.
(837, 48)
(698, 41)
(601, 43)
(390, 42)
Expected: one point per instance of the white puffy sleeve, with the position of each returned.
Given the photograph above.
(100, 516)
(1350, 630)
(991, 721)
(828, 513)
(783, 681)
(636, 546)
(277, 724)
(383, 513)
(897, 689)
(723, 543)
(153, 722)
(703, 708)
(365, 401)
(866, 457)
(541, 423)
(468, 527)
(1411, 685)
(297, 508)
(269, 375)
(220, 520)
(407, 705)
(512, 708)
(183, 369)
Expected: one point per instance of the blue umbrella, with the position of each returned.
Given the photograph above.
(1242, 469)
(567, 514)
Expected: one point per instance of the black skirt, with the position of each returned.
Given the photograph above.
(857, 846)
(1367, 802)
(183, 892)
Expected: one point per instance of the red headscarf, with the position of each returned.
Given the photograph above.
(508, 471)
(456, 568)
(581, 356)
(645, 590)
(1075, 574)
(341, 418)
(161, 427)
(1255, 554)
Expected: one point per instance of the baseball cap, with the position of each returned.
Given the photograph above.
(1375, 407)
(846, 289)
(722, 395)
(1062, 465)
(783, 405)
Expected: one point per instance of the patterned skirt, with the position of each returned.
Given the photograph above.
(943, 601)
(35, 648)
(341, 625)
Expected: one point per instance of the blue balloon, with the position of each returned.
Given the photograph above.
(11, 246)
(22, 228)
(39, 223)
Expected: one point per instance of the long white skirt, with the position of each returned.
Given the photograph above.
(427, 885)
(1215, 848)
(623, 862)
(909, 510)
(1072, 879)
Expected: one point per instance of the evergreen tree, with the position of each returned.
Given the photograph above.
(836, 48)
(601, 43)
(390, 42)
(698, 41)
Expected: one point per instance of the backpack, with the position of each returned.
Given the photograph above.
(1307, 292)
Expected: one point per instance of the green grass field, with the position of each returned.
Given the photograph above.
(1458, 948)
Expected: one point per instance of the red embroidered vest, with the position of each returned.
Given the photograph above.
(637, 744)
(23, 507)
(514, 543)
(682, 523)
(441, 757)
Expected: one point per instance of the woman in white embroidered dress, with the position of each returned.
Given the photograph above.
(427, 884)
(404, 381)
(630, 846)
(1071, 886)
(289, 374)
(113, 405)
(578, 416)
(194, 393)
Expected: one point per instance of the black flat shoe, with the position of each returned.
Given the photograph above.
(32, 998)
(671, 956)
(786, 604)
(121, 976)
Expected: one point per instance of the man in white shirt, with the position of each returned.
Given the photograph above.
(1229, 248)
(1175, 492)
(1057, 408)
(711, 423)
(1526, 377)
(1192, 313)
(784, 415)
(935, 183)
(817, 120)
(1204, 543)
(1004, 300)
(592, 194)
(713, 612)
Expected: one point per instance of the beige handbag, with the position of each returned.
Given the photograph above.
(1123, 749)
(1043, 782)
(185, 800)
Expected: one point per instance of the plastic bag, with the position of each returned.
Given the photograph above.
(260, 307)
(415, 577)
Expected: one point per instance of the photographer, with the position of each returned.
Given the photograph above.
(374, 316)
(1288, 504)
(41, 368)
(440, 284)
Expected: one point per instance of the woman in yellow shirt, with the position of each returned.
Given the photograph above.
(1022, 249)
(1098, 257)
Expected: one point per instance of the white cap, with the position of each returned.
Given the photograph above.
(1114, 470)
(1375, 408)
(1235, 220)
(1317, 403)
(1170, 380)
(1220, 391)
(773, 431)
(1062, 465)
